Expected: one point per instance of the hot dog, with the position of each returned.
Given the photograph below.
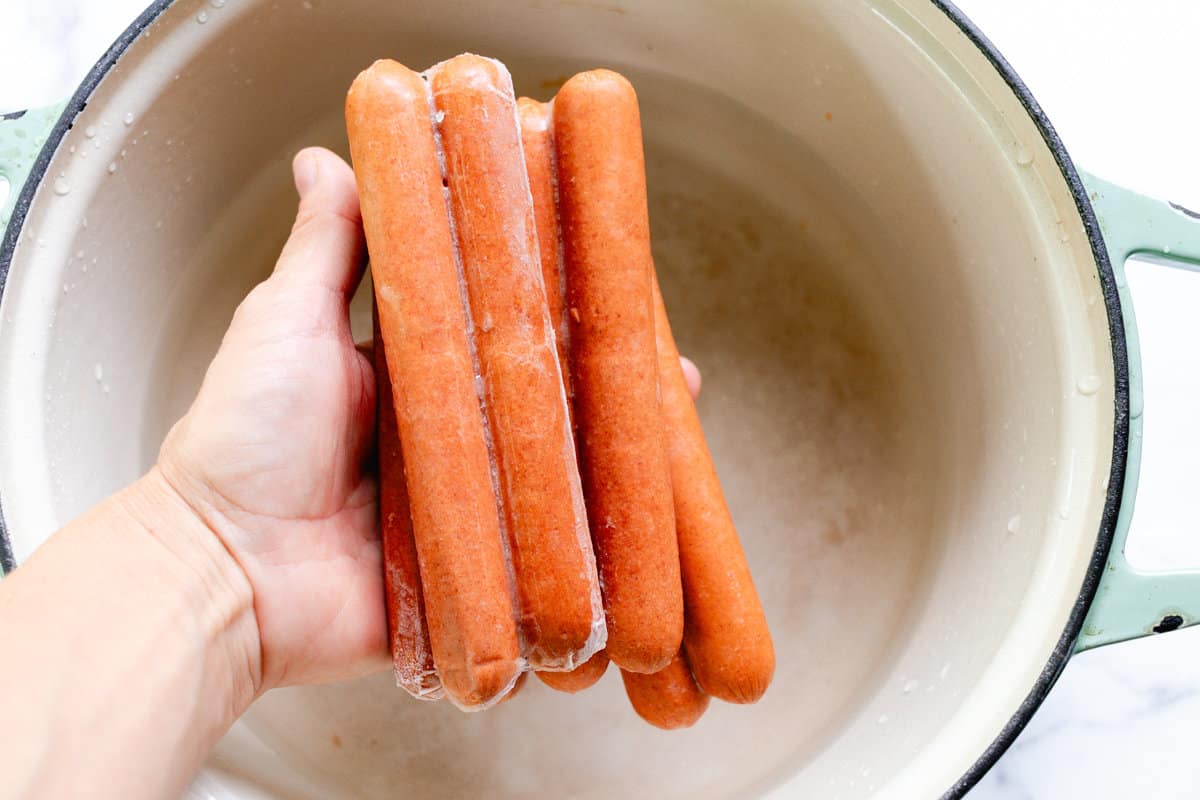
(725, 631)
(537, 140)
(538, 483)
(468, 602)
(626, 477)
(580, 678)
(669, 698)
(412, 657)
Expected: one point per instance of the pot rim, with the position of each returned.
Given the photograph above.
(1116, 483)
(1108, 286)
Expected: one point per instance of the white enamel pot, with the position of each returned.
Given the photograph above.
(922, 387)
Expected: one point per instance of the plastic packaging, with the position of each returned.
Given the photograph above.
(494, 295)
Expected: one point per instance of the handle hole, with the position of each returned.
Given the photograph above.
(1166, 517)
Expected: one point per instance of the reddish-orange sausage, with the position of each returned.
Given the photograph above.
(538, 480)
(580, 678)
(412, 657)
(468, 605)
(668, 699)
(725, 631)
(626, 477)
(537, 139)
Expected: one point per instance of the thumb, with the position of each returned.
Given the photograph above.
(326, 245)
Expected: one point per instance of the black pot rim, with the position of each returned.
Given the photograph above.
(1064, 647)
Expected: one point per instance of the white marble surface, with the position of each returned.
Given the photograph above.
(1117, 79)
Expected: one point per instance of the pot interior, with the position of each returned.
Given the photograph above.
(864, 243)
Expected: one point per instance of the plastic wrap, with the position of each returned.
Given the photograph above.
(490, 568)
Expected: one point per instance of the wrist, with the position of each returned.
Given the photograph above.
(216, 592)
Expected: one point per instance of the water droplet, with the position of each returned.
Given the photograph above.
(79, 254)
(1064, 513)
(883, 719)
(98, 371)
(90, 132)
(85, 223)
(1088, 384)
(911, 685)
(216, 3)
(308, 6)
(105, 387)
(1166, 248)
(72, 150)
(62, 187)
(202, 17)
(123, 152)
(945, 670)
(95, 144)
(1063, 236)
(1024, 156)
(188, 179)
(1014, 524)
(1091, 301)
(128, 117)
(85, 267)
(135, 142)
(158, 225)
(817, 80)
(112, 168)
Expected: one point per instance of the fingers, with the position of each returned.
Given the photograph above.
(326, 246)
(692, 375)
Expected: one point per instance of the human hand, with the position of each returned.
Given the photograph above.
(272, 453)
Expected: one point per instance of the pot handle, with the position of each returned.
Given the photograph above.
(22, 135)
(1129, 602)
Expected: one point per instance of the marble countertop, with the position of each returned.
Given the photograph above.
(1116, 78)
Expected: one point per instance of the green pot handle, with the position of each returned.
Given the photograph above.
(22, 135)
(1130, 602)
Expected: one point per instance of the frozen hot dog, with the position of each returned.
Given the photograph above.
(580, 678)
(725, 631)
(448, 469)
(626, 477)
(412, 658)
(537, 139)
(561, 615)
(669, 698)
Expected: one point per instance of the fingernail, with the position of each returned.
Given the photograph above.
(305, 172)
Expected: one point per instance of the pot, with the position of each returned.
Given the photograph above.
(922, 376)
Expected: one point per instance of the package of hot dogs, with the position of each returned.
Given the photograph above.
(547, 499)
